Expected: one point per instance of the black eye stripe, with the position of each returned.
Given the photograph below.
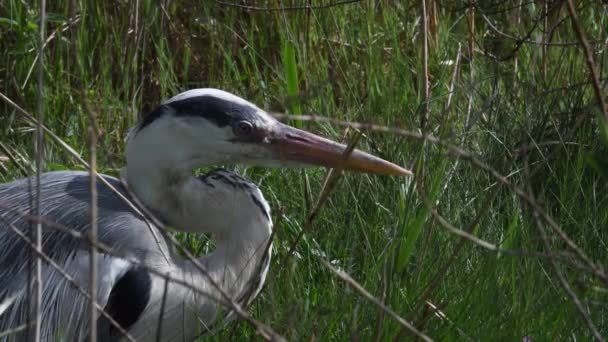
(217, 110)
(207, 107)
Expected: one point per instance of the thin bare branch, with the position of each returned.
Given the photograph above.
(448, 103)
(8, 153)
(465, 234)
(441, 315)
(331, 181)
(458, 248)
(365, 294)
(52, 36)
(94, 213)
(285, 8)
(15, 330)
(425, 67)
(471, 21)
(524, 39)
(580, 34)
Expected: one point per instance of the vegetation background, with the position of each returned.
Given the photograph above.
(501, 235)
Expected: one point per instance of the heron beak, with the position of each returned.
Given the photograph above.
(295, 145)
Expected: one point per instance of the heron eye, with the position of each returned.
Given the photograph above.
(243, 128)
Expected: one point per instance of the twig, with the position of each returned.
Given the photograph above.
(580, 34)
(443, 317)
(328, 186)
(13, 159)
(471, 17)
(15, 330)
(465, 234)
(365, 294)
(456, 251)
(448, 103)
(462, 233)
(524, 39)
(525, 148)
(285, 8)
(425, 68)
(39, 160)
(93, 230)
(52, 36)
(516, 59)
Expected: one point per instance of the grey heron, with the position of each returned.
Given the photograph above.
(196, 128)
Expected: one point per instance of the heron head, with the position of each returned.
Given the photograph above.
(203, 127)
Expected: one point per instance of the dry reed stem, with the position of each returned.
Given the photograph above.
(285, 8)
(329, 184)
(11, 156)
(597, 87)
(365, 294)
(38, 281)
(71, 22)
(425, 67)
(93, 132)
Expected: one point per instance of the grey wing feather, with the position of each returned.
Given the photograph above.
(65, 200)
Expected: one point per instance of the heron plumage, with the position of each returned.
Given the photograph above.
(66, 203)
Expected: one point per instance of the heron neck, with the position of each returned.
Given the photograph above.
(224, 272)
(239, 264)
(155, 190)
(159, 168)
(242, 255)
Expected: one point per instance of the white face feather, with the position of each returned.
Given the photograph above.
(163, 153)
(189, 140)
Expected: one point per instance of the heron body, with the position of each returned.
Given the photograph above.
(147, 288)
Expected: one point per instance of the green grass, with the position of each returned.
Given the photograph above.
(362, 62)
